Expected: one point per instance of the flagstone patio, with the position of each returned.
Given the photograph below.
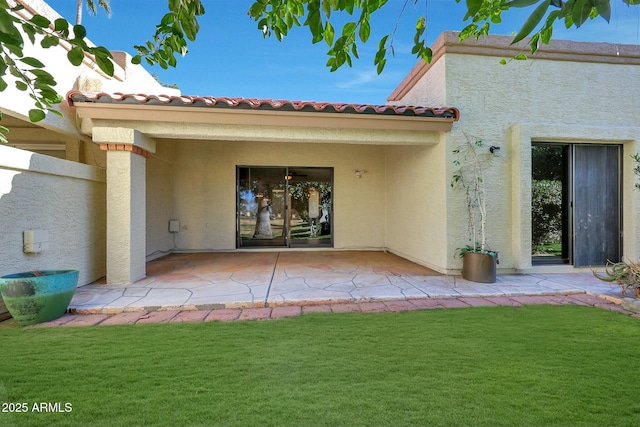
(223, 280)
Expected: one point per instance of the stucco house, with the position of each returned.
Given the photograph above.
(144, 170)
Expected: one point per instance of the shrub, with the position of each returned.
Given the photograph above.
(546, 211)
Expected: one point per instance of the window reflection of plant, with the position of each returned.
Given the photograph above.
(299, 192)
(251, 193)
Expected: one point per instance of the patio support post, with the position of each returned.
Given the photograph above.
(127, 150)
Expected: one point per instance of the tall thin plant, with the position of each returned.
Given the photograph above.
(472, 161)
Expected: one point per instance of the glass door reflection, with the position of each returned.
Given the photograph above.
(261, 206)
(284, 206)
(310, 202)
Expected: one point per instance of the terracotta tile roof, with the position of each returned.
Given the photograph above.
(260, 104)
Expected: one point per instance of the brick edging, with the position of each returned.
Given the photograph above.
(157, 315)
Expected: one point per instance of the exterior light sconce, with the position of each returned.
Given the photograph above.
(495, 150)
(288, 177)
(358, 173)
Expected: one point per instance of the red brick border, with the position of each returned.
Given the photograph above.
(125, 147)
(264, 313)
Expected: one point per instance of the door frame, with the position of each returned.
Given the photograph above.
(288, 242)
(569, 194)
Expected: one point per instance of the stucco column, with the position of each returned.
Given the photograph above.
(127, 150)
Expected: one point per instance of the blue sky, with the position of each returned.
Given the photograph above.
(231, 58)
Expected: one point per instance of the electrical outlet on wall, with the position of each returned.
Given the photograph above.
(174, 226)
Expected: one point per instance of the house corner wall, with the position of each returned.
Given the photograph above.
(512, 106)
(64, 198)
(416, 184)
(515, 105)
(416, 198)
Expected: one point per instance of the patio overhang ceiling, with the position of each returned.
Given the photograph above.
(240, 119)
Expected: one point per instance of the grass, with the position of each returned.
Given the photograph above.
(554, 249)
(532, 365)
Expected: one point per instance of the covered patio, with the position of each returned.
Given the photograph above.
(255, 279)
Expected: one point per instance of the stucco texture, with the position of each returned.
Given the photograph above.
(66, 199)
(204, 189)
(513, 105)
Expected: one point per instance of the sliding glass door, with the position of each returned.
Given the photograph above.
(576, 204)
(284, 206)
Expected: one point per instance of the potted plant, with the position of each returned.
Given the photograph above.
(479, 262)
(38, 296)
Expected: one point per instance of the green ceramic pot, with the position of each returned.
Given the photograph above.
(38, 296)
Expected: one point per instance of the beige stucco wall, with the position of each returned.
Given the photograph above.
(512, 105)
(415, 202)
(66, 199)
(416, 184)
(205, 194)
(160, 196)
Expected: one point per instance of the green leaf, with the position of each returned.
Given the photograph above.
(349, 28)
(382, 42)
(520, 57)
(32, 62)
(314, 22)
(40, 21)
(3, 84)
(190, 28)
(365, 31)
(79, 31)
(257, 9)
(604, 9)
(3, 134)
(580, 12)
(473, 6)
(35, 115)
(531, 22)
(49, 41)
(520, 3)
(20, 85)
(7, 24)
(75, 55)
(105, 65)
(426, 54)
(60, 24)
(329, 33)
(56, 112)
(30, 31)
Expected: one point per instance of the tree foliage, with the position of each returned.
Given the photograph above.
(278, 17)
(28, 73)
(274, 18)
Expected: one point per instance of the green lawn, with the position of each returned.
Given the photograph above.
(533, 365)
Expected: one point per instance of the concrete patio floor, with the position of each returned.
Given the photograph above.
(256, 280)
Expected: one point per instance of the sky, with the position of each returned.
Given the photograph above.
(231, 58)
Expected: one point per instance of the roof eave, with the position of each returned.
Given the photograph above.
(122, 113)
